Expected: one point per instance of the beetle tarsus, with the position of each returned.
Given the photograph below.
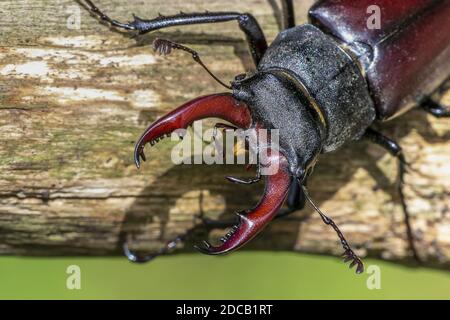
(140, 155)
(137, 258)
(409, 229)
(349, 254)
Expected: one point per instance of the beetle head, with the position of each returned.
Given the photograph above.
(275, 102)
(262, 101)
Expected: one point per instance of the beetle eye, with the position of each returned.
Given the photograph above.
(240, 77)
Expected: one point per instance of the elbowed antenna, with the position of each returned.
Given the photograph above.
(164, 47)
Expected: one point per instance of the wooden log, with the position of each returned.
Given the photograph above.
(75, 95)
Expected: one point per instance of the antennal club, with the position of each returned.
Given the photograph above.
(165, 47)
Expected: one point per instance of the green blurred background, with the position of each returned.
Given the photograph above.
(242, 275)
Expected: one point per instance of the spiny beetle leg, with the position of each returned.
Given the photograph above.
(349, 254)
(288, 14)
(247, 23)
(395, 150)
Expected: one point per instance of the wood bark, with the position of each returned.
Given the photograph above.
(75, 95)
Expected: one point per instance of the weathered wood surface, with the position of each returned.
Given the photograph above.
(73, 101)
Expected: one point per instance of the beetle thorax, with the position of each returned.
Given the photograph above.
(328, 76)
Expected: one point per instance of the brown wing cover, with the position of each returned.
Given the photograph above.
(409, 54)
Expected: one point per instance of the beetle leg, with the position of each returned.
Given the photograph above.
(223, 126)
(295, 200)
(348, 254)
(249, 181)
(435, 108)
(288, 14)
(137, 258)
(278, 177)
(96, 11)
(395, 150)
(164, 47)
(247, 23)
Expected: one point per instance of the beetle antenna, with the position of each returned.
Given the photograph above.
(165, 47)
(349, 254)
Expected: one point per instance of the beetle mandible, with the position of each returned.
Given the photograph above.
(321, 84)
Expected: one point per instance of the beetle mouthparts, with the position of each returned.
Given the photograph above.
(226, 107)
(221, 105)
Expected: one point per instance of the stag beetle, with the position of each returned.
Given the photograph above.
(321, 84)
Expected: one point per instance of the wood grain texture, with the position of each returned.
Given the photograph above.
(73, 101)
